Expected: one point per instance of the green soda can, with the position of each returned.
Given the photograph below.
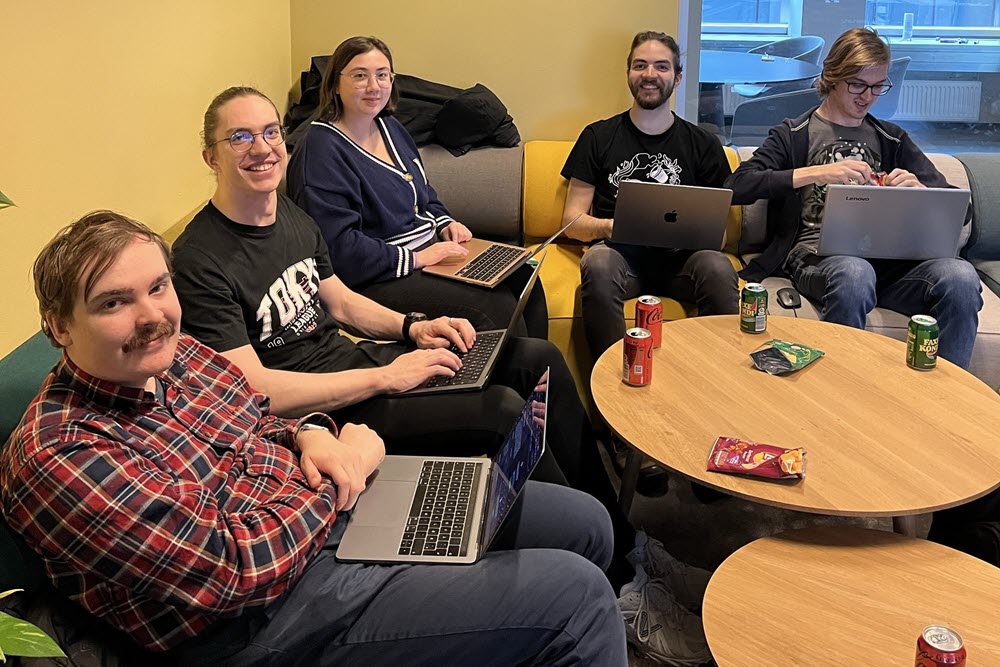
(922, 342)
(753, 308)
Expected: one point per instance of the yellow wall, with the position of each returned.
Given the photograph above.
(556, 64)
(101, 105)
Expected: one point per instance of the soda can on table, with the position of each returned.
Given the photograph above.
(638, 357)
(649, 316)
(753, 308)
(922, 342)
(938, 646)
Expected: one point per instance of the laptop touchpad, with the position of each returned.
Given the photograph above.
(386, 503)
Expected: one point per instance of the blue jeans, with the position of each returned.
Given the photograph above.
(703, 277)
(537, 597)
(848, 288)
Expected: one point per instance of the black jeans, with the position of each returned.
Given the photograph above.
(704, 277)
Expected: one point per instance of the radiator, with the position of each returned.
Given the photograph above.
(951, 101)
(955, 101)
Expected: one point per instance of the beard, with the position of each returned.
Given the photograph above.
(664, 91)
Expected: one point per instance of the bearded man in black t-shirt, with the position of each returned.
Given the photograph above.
(647, 143)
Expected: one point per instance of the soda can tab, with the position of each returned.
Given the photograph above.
(922, 337)
(746, 457)
(939, 646)
(649, 316)
(753, 308)
(637, 350)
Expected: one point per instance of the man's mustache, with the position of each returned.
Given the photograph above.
(144, 337)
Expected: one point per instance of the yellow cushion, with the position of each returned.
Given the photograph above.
(544, 192)
(735, 223)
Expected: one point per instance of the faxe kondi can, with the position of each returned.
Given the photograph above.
(938, 646)
(753, 308)
(649, 316)
(922, 342)
(638, 357)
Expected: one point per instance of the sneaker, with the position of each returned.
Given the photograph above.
(688, 583)
(658, 627)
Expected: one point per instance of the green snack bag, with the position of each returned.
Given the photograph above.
(779, 357)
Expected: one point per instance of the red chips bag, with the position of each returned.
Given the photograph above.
(745, 457)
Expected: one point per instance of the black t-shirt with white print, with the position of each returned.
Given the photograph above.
(613, 150)
(241, 285)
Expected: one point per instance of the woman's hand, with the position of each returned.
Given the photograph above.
(456, 232)
(437, 253)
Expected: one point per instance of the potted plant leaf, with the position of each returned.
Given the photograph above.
(21, 638)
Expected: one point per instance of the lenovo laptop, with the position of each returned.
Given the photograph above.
(444, 510)
(684, 217)
(489, 262)
(479, 361)
(892, 223)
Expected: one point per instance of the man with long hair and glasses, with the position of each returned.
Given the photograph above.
(840, 142)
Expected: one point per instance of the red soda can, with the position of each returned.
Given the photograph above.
(649, 316)
(938, 646)
(638, 362)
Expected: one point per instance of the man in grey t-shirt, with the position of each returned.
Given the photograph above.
(840, 142)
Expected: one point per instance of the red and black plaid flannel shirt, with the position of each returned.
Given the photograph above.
(162, 518)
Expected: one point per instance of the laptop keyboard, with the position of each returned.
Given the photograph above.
(473, 361)
(439, 523)
(490, 263)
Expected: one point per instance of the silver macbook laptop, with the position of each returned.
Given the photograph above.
(479, 361)
(445, 510)
(684, 217)
(892, 223)
(489, 262)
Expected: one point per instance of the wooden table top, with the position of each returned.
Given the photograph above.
(847, 596)
(880, 438)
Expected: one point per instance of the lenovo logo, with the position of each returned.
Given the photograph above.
(855, 198)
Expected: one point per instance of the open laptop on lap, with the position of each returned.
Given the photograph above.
(444, 509)
(892, 223)
(479, 361)
(683, 217)
(488, 262)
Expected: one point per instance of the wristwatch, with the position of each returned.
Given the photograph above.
(408, 321)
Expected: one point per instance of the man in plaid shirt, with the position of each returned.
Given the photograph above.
(162, 497)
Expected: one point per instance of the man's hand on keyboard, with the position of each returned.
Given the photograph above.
(443, 332)
(437, 253)
(413, 368)
(456, 232)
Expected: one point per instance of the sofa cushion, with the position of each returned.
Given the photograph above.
(989, 272)
(983, 171)
(544, 187)
(482, 189)
(21, 374)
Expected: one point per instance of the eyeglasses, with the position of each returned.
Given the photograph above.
(242, 140)
(877, 89)
(360, 79)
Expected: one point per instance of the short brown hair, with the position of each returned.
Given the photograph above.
(853, 51)
(654, 36)
(211, 121)
(83, 250)
(330, 106)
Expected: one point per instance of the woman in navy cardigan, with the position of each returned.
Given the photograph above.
(358, 173)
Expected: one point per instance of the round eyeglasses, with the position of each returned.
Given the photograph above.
(360, 79)
(242, 140)
(877, 89)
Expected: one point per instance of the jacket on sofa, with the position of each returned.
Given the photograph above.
(768, 175)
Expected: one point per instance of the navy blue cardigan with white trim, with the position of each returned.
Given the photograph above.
(372, 213)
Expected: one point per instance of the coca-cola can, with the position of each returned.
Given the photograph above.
(938, 646)
(638, 361)
(649, 316)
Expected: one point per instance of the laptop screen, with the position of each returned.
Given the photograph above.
(516, 459)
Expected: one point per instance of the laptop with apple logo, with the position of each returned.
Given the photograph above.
(683, 217)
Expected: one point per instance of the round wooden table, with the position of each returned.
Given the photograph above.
(880, 438)
(847, 596)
